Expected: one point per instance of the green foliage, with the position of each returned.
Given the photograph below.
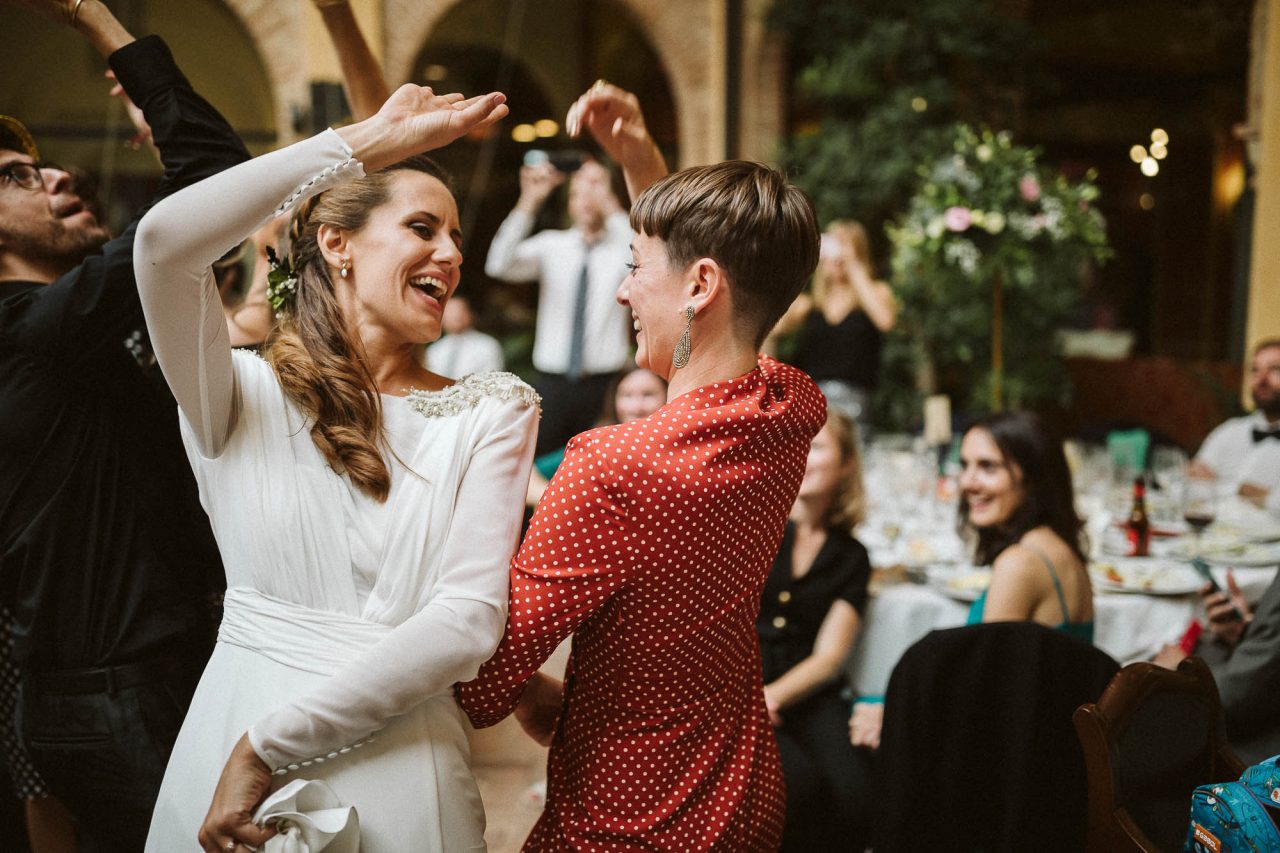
(886, 77)
(984, 213)
(880, 83)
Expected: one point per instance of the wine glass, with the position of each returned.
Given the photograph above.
(1199, 505)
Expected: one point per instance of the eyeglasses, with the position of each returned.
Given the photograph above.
(28, 175)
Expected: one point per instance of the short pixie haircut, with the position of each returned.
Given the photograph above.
(747, 218)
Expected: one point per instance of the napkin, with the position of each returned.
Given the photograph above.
(309, 818)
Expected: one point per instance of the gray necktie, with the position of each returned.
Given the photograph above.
(579, 331)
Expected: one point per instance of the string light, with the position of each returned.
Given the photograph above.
(545, 127)
(1149, 167)
(1137, 153)
(524, 133)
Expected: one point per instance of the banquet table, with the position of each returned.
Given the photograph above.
(911, 523)
(1127, 626)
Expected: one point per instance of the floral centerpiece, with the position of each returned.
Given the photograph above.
(988, 263)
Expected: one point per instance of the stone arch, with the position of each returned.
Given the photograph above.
(688, 38)
(277, 31)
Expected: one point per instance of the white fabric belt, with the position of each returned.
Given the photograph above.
(298, 637)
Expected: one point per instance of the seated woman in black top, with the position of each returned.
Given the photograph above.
(809, 617)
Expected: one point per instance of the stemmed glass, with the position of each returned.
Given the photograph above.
(1199, 505)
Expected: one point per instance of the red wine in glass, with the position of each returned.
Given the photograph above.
(1198, 521)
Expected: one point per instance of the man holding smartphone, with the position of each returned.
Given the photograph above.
(582, 337)
(1242, 648)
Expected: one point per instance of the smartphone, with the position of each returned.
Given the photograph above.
(1202, 569)
(565, 161)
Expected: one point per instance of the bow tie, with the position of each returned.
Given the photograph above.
(1263, 434)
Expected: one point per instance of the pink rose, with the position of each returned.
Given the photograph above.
(957, 218)
(1030, 188)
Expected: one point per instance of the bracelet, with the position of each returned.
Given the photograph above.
(75, 13)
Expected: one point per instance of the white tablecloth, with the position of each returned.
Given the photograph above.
(1129, 627)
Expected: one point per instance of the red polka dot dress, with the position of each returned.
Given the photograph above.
(651, 545)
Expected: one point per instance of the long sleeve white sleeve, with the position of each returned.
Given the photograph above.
(513, 254)
(184, 234)
(448, 639)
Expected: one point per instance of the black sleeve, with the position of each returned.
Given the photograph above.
(858, 570)
(96, 305)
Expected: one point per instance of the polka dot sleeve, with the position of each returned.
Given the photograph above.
(573, 559)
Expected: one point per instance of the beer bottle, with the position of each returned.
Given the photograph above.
(1138, 528)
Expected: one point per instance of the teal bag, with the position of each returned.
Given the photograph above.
(1237, 817)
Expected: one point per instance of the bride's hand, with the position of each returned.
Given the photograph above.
(538, 710)
(415, 120)
(245, 782)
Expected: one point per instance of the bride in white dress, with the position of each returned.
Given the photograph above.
(365, 527)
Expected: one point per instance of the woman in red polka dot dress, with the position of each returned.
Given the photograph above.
(654, 538)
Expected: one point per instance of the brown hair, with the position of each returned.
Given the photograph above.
(856, 235)
(1027, 441)
(317, 359)
(848, 505)
(747, 218)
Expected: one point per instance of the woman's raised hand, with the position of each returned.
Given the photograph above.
(415, 120)
(613, 118)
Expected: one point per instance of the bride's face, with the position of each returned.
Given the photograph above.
(405, 260)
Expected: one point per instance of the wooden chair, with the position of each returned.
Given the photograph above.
(1152, 738)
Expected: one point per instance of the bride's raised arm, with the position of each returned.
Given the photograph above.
(184, 234)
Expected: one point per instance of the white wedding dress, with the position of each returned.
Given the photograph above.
(346, 620)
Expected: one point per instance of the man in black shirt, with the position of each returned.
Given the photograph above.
(106, 557)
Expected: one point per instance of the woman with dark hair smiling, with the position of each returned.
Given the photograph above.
(1017, 503)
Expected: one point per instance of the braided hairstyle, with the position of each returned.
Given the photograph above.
(318, 360)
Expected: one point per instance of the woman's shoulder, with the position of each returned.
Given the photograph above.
(494, 387)
(1038, 551)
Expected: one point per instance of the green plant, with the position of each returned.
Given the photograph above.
(987, 264)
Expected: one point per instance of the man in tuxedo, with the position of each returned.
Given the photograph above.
(1244, 453)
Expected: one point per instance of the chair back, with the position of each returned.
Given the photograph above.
(978, 751)
(1152, 737)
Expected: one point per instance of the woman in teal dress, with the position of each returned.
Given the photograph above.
(1017, 505)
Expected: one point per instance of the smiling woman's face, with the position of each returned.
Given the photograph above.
(405, 260)
(654, 294)
(990, 485)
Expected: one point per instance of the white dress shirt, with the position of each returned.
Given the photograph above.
(1236, 458)
(463, 354)
(554, 259)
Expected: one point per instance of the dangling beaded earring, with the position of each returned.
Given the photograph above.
(684, 347)
(345, 268)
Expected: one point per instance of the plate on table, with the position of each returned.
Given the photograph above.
(1145, 576)
(1245, 554)
(964, 584)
